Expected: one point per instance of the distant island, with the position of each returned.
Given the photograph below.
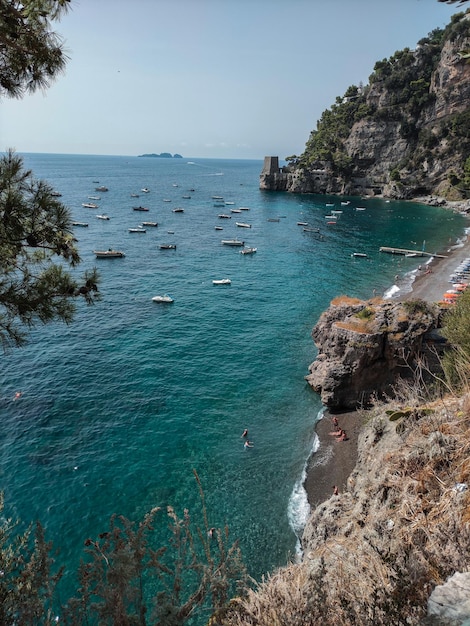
(162, 155)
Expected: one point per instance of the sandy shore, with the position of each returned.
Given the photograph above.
(334, 461)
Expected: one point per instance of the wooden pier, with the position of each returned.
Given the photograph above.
(410, 252)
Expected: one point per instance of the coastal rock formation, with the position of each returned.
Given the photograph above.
(403, 135)
(365, 347)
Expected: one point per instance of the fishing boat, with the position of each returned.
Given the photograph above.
(139, 208)
(223, 281)
(152, 224)
(108, 254)
(243, 225)
(139, 229)
(163, 299)
(232, 242)
(248, 250)
(168, 246)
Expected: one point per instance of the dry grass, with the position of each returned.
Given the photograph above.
(373, 555)
(346, 301)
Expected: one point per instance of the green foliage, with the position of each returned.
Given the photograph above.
(365, 314)
(456, 329)
(36, 248)
(31, 54)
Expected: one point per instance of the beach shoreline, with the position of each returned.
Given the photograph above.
(333, 462)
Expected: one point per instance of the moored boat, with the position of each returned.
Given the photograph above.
(102, 217)
(243, 225)
(139, 208)
(232, 242)
(248, 250)
(84, 224)
(168, 246)
(108, 254)
(139, 229)
(153, 224)
(223, 281)
(165, 298)
(89, 205)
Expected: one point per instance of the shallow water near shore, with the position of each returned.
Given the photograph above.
(119, 408)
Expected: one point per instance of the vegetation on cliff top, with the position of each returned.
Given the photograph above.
(398, 91)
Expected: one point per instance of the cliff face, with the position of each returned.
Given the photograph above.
(404, 135)
(364, 348)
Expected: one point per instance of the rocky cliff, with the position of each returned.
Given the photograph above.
(405, 134)
(365, 347)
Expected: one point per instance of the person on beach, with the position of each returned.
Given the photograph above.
(334, 419)
(337, 432)
(335, 490)
(342, 436)
(248, 444)
(244, 433)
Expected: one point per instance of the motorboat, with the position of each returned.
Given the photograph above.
(139, 229)
(244, 208)
(108, 254)
(102, 217)
(153, 224)
(186, 197)
(359, 254)
(223, 281)
(235, 210)
(94, 197)
(145, 190)
(232, 242)
(139, 208)
(101, 188)
(168, 246)
(243, 225)
(89, 205)
(248, 250)
(84, 224)
(164, 299)
(178, 209)
(223, 216)
(218, 228)
(302, 223)
(217, 197)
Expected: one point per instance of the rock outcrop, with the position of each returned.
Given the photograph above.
(365, 347)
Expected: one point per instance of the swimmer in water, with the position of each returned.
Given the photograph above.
(245, 433)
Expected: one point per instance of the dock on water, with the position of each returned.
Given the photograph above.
(410, 252)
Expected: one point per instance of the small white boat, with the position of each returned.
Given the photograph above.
(235, 210)
(359, 254)
(329, 204)
(145, 190)
(108, 254)
(139, 208)
(94, 197)
(139, 229)
(336, 212)
(244, 208)
(243, 225)
(89, 205)
(178, 210)
(135, 195)
(360, 208)
(168, 246)
(166, 200)
(345, 203)
(165, 298)
(102, 217)
(230, 203)
(153, 224)
(302, 223)
(331, 217)
(223, 281)
(218, 228)
(186, 197)
(217, 197)
(102, 188)
(232, 242)
(248, 250)
(222, 216)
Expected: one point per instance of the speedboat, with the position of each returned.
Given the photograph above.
(150, 224)
(108, 254)
(165, 298)
(102, 217)
(168, 246)
(139, 229)
(248, 250)
(359, 254)
(102, 188)
(178, 210)
(232, 242)
(145, 190)
(139, 208)
(89, 205)
(223, 281)
(243, 225)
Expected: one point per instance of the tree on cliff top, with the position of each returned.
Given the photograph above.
(31, 54)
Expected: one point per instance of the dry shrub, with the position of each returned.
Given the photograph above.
(346, 300)
(356, 325)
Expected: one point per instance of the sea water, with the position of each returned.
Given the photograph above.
(121, 407)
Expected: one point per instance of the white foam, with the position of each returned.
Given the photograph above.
(391, 291)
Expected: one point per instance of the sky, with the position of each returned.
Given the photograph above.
(208, 78)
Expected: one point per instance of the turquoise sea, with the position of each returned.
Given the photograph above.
(120, 407)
